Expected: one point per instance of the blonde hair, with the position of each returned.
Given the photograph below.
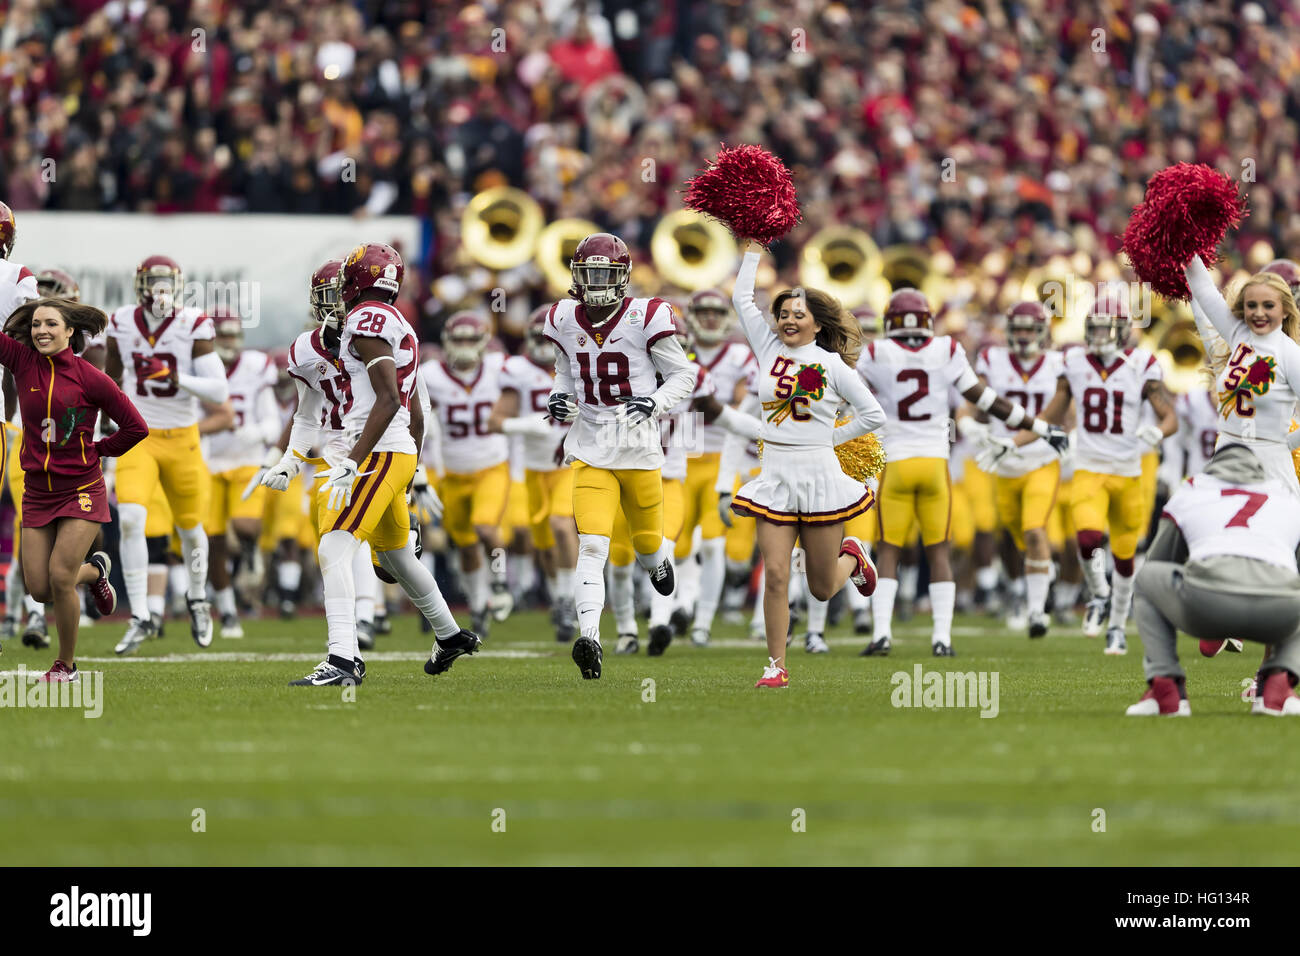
(839, 331)
(1290, 311)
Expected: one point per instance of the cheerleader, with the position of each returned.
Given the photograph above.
(64, 498)
(805, 372)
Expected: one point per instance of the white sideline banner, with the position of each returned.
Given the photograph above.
(259, 264)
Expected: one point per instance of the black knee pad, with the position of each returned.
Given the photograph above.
(159, 545)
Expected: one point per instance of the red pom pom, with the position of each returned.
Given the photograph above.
(748, 189)
(1187, 210)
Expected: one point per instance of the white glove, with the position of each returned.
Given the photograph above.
(992, 451)
(279, 475)
(1151, 434)
(269, 461)
(970, 429)
(424, 497)
(534, 425)
(339, 481)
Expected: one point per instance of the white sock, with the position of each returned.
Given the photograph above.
(856, 601)
(365, 582)
(1094, 572)
(942, 596)
(1038, 578)
(589, 583)
(907, 578)
(134, 552)
(1120, 601)
(553, 588)
(288, 576)
(157, 604)
(478, 588)
(794, 591)
(661, 608)
(759, 620)
(624, 604)
(1017, 588)
(986, 578)
(178, 579)
(564, 581)
(882, 607)
(14, 592)
(33, 606)
(336, 552)
(817, 615)
(688, 583)
(523, 573)
(713, 574)
(1067, 594)
(225, 601)
(421, 588)
(194, 559)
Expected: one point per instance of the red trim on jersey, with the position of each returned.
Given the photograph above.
(726, 347)
(1150, 361)
(200, 320)
(143, 328)
(293, 374)
(557, 345)
(458, 380)
(984, 354)
(319, 346)
(924, 345)
(550, 317)
(549, 371)
(601, 335)
(871, 349)
(1105, 373)
(659, 335)
(24, 273)
(954, 348)
(1020, 369)
(239, 356)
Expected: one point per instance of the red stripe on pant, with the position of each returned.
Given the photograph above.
(357, 501)
(370, 495)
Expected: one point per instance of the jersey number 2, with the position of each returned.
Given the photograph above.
(922, 381)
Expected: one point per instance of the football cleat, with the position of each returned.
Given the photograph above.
(360, 665)
(1017, 616)
(940, 649)
(501, 602)
(480, 622)
(137, 632)
(1094, 614)
(446, 650)
(699, 637)
(288, 610)
(774, 675)
(661, 635)
(1038, 624)
(1115, 643)
(35, 634)
(862, 621)
(587, 655)
(877, 648)
(757, 632)
(60, 673)
(627, 644)
(562, 621)
(680, 620)
(1164, 698)
(383, 625)
(664, 578)
(1276, 697)
(366, 635)
(328, 674)
(9, 629)
(105, 597)
(864, 574)
(157, 621)
(200, 622)
(231, 629)
(816, 644)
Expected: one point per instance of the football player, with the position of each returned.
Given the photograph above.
(526, 383)
(463, 390)
(364, 491)
(610, 346)
(1188, 449)
(233, 457)
(161, 352)
(1025, 370)
(1109, 383)
(911, 371)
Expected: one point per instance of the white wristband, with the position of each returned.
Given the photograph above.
(1040, 428)
(1015, 416)
(986, 399)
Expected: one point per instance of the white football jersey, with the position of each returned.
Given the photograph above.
(1032, 386)
(727, 364)
(533, 383)
(1251, 521)
(1107, 402)
(311, 363)
(381, 321)
(161, 403)
(252, 379)
(912, 386)
(17, 285)
(1198, 429)
(607, 365)
(680, 430)
(463, 405)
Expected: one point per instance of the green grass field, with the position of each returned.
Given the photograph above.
(417, 769)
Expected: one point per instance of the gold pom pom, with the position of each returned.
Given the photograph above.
(1295, 454)
(862, 457)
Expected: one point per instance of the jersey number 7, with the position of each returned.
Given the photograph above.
(1254, 501)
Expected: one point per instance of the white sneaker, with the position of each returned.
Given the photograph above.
(699, 637)
(500, 602)
(1095, 615)
(1115, 644)
(1148, 707)
(137, 632)
(816, 644)
(1018, 617)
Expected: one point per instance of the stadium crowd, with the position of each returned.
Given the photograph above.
(1052, 114)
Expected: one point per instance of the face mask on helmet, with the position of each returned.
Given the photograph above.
(1104, 335)
(326, 304)
(1026, 337)
(709, 325)
(600, 283)
(465, 343)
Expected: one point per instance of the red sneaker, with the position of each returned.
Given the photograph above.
(773, 675)
(100, 589)
(864, 578)
(60, 673)
(1276, 698)
(1162, 699)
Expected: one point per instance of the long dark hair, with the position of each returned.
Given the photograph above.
(839, 330)
(84, 320)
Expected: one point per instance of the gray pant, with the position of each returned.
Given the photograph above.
(1217, 598)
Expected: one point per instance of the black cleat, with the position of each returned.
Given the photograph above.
(627, 644)
(1038, 623)
(664, 578)
(360, 665)
(862, 621)
(564, 629)
(36, 634)
(680, 620)
(383, 625)
(877, 648)
(661, 636)
(942, 650)
(587, 655)
(480, 622)
(445, 651)
(329, 673)
(366, 635)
